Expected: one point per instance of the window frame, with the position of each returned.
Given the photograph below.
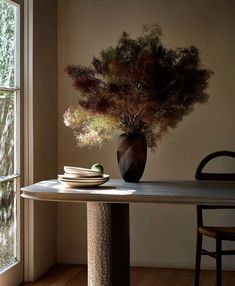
(13, 273)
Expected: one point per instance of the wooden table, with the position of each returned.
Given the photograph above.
(108, 216)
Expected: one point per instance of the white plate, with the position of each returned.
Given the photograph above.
(82, 172)
(74, 184)
(75, 178)
(83, 175)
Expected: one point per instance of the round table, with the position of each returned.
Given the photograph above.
(108, 216)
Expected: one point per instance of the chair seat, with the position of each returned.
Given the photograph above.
(227, 233)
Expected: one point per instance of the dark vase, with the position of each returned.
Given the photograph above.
(131, 155)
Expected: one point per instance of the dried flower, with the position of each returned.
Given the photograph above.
(138, 86)
(90, 129)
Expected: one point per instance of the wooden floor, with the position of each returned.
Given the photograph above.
(75, 275)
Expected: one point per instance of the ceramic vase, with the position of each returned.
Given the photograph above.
(131, 156)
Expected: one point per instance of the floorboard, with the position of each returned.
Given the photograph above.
(76, 275)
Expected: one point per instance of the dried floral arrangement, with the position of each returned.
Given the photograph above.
(138, 86)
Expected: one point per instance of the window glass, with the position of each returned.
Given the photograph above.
(7, 222)
(6, 133)
(9, 133)
(7, 43)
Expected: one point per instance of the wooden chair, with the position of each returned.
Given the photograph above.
(217, 233)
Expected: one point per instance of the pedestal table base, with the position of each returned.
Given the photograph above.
(108, 244)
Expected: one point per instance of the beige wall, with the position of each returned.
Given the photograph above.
(87, 26)
(45, 101)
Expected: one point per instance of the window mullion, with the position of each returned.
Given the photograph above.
(8, 89)
(8, 178)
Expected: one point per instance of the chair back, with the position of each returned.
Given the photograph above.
(199, 175)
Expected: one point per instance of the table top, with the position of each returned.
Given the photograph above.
(209, 192)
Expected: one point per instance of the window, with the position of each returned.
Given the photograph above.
(9, 133)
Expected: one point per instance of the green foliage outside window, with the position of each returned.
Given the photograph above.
(7, 67)
(7, 79)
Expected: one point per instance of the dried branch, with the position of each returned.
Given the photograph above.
(146, 87)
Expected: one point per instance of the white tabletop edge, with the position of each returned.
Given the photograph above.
(117, 191)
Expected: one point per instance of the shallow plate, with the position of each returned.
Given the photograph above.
(82, 172)
(67, 177)
(83, 184)
(83, 175)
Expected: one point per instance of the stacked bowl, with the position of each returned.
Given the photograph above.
(82, 177)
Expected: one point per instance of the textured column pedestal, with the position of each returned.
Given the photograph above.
(108, 244)
(99, 244)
